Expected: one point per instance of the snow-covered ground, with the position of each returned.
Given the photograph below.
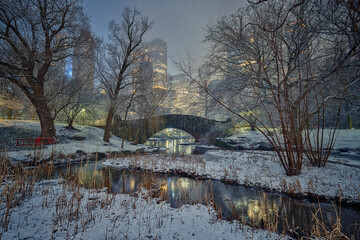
(346, 149)
(254, 168)
(61, 211)
(345, 138)
(87, 140)
(52, 210)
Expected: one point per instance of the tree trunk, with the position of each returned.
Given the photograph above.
(125, 129)
(107, 132)
(70, 123)
(45, 118)
(349, 121)
(9, 113)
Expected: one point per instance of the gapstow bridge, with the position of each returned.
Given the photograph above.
(140, 130)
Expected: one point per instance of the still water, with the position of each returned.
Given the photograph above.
(174, 146)
(254, 206)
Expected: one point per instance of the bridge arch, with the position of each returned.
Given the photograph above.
(140, 130)
(172, 133)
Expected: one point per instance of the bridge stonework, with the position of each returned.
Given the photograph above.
(140, 130)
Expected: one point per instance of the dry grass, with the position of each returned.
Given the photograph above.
(321, 229)
(74, 205)
(17, 183)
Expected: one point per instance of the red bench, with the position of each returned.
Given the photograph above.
(35, 141)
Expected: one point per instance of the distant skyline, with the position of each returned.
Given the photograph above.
(180, 23)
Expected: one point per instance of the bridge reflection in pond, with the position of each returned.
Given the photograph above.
(174, 140)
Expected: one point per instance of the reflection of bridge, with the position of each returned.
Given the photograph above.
(140, 130)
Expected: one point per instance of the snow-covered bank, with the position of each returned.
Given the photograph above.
(345, 138)
(255, 168)
(58, 211)
(346, 149)
(85, 141)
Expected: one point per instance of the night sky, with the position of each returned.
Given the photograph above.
(179, 22)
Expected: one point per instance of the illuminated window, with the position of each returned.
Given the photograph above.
(159, 87)
(68, 66)
(159, 71)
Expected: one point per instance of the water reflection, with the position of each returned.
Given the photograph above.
(233, 202)
(174, 146)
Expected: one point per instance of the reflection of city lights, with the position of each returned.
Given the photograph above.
(184, 183)
(163, 187)
(258, 210)
(132, 184)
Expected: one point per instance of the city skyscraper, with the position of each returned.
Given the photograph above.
(156, 50)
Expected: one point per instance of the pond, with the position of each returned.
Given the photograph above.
(180, 146)
(250, 205)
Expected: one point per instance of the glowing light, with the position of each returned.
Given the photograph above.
(159, 87)
(184, 183)
(159, 71)
(68, 67)
(132, 184)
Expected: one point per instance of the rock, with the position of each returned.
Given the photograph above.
(115, 154)
(264, 146)
(81, 152)
(140, 150)
(344, 149)
(232, 142)
(98, 156)
(61, 155)
(201, 150)
(126, 152)
(221, 143)
(78, 138)
(239, 147)
(72, 156)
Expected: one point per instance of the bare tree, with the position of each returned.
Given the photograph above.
(114, 72)
(35, 38)
(279, 55)
(148, 101)
(81, 102)
(11, 100)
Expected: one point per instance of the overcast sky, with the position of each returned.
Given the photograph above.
(179, 22)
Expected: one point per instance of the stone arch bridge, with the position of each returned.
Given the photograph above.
(140, 130)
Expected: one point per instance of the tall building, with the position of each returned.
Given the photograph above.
(83, 63)
(156, 50)
(183, 95)
(142, 74)
(149, 76)
(75, 64)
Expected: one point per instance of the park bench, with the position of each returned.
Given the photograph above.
(39, 141)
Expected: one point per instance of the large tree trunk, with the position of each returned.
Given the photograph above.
(125, 129)
(107, 132)
(70, 123)
(45, 118)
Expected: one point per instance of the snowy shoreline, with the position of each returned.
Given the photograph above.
(58, 210)
(255, 169)
(248, 168)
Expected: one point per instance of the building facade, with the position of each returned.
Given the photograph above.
(156, 50)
